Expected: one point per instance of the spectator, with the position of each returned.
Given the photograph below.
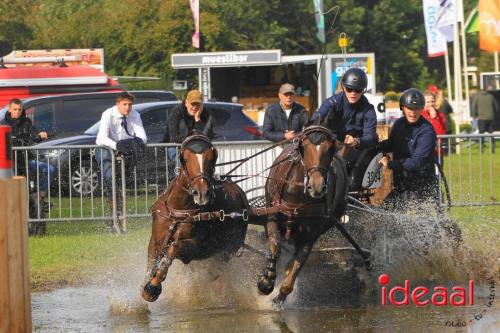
(284, 119)
(443, 106)
(121, 130)
(24, 134)
(484, 108)
(187, 119)
(437, 120)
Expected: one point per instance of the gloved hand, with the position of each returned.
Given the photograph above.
(123, 147)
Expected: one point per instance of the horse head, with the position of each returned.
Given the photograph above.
(198, 157)
(317, 147)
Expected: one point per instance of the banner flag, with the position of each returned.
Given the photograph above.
(489, 25)
(195, 9)
(472, 23)
(446, 18)
(436, 42)
(320, 20)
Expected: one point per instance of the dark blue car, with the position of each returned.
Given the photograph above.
(231, 124)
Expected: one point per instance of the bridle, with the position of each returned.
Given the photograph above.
(207, 176)
(298, 142)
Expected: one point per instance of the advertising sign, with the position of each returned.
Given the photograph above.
(226, 59)
(341, 63)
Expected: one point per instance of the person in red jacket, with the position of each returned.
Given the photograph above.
(436, 118)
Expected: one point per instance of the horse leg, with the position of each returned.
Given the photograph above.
(152, 283)
(266, 281)
(299, 258)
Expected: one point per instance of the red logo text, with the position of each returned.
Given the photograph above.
(422, 296)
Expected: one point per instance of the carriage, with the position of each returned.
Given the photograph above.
(309, 191)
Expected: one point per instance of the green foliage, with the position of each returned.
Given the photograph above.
(139, 36)
(392, 96)
(465, 128)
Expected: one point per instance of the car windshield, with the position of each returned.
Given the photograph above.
(94, 129)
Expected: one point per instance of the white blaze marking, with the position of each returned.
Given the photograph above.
(200, 161)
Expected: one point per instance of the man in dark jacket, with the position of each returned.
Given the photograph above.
(484, 108)
(24, 134)
(187, 119)
(284, 119)
(412, 142)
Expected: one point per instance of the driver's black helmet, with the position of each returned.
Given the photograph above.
(355, 78)
(412, 98)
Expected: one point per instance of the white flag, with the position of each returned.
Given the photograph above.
(436, 42)
(448, 15)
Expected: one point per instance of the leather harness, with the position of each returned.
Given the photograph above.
(278, 181)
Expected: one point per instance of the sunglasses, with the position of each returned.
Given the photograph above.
(349, 90)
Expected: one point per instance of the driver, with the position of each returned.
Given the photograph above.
(351, 117)
(412, 142)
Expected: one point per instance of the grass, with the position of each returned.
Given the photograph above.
(473, 174)
(78, 251)
(72, 253)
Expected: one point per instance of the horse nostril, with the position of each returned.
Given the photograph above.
(195, 192)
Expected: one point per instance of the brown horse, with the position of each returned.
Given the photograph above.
(192, 219)
(308, 184)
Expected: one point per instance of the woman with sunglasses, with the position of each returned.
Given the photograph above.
(349, 114)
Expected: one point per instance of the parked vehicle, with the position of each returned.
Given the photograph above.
(35, 73)
(231, 124)
(67, 115)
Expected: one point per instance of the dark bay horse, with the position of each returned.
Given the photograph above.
(308, 184)
(190, 219)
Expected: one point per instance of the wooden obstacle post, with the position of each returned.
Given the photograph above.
(15, 298)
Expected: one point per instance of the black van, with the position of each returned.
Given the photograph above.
(67, 115)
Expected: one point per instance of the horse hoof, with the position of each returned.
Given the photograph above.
(151, 293)
(279, 300)
(265, 286)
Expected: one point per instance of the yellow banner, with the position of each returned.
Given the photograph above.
(489, 25)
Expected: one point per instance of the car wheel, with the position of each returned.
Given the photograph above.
(85, 180)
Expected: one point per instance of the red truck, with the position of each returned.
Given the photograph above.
(25, 74)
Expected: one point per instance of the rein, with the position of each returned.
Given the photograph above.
(243, 160)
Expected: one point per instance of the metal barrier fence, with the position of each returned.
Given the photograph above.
(75, 186)
(68, 183)
(472, 168)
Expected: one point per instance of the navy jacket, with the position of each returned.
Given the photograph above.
(414, 150)
(358, 120)
(276, 123)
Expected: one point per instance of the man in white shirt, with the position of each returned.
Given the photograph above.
(120, 122)
(121, 130)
